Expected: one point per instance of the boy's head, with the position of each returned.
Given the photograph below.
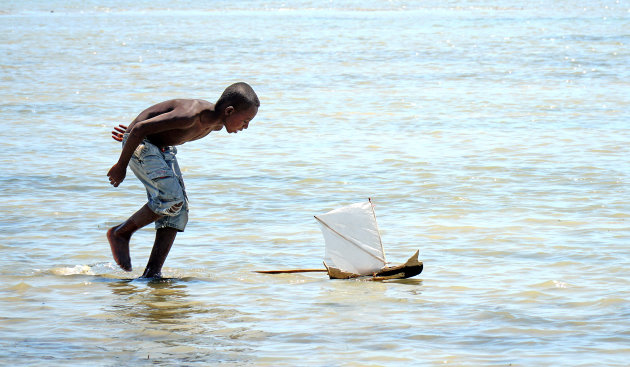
(239, 95)
(237, 106)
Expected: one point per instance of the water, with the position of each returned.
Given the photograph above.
(491, 136)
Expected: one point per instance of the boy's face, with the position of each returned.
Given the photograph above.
(236, 121)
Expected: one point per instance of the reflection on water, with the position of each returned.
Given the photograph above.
(157, 301)
(170, 324)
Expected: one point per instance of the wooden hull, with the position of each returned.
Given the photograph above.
(409, 269)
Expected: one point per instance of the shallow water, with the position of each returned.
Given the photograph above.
(491, 136)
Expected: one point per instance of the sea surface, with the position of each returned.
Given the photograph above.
(493, 136)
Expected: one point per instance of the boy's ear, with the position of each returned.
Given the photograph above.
(229, 110)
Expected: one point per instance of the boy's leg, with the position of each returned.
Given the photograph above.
(158, 170)
(164, 238)
(120, 235)
(175, 218)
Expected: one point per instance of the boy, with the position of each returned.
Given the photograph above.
(149, 149)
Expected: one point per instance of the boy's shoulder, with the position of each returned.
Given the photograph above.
(199, 105)
(185, 102)
(188, 106)
(203, 103)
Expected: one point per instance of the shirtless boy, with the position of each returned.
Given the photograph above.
(149, 150)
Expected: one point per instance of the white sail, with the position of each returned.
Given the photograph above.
(353, 242)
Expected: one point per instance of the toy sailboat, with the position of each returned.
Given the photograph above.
(354, 248)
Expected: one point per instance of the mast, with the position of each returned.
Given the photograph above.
(378, 231)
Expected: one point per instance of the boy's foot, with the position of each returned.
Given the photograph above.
(120, 248)
(150, 275)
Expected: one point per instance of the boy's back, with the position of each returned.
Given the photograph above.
(192, 120)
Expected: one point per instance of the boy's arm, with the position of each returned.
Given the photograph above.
(177, 119)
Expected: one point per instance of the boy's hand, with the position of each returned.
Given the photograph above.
(117, 174)
(118, 132)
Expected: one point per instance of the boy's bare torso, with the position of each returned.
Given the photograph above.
(195, 119)
(176, 122)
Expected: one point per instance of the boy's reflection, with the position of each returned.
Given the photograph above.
(159, 301)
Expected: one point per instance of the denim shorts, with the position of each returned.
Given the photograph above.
(159, 172)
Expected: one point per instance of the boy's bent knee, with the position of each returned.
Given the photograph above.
(175, 209)
(176, 216)
(167, 209)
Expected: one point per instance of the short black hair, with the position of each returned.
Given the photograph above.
(239, 95)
